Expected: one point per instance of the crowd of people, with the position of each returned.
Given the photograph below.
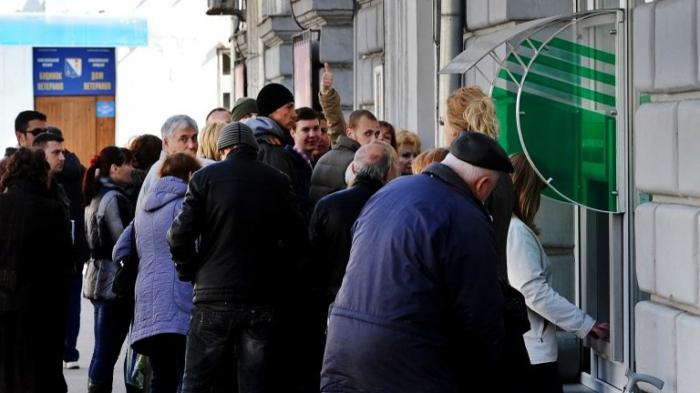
(281, 249)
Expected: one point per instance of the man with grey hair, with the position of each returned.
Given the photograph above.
(179, 133)
(330, 231)
(420, 308)
(332, 219)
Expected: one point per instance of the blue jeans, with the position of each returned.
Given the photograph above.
(112, 320)
(216, 327)
(75, 285)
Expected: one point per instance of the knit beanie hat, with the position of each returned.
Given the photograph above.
(243, 106)
(272, 97)
(235, 134)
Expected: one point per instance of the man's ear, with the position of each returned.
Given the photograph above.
(482, 188)
(20, 137)
(353, 168)
(350, 133)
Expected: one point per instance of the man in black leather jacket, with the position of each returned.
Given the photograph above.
(251, 235)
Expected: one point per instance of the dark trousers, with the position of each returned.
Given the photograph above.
(166, 353)
(75, 285)
(545, 378)
(30, 350)
(112, 320)
(214, 329)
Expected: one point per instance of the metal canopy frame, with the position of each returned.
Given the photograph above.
(513, 38)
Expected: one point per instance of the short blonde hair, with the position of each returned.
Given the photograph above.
(426, 158)
(208, 138)
(469, 108)
(408, 138)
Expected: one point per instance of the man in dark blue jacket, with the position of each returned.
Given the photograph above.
(420, 308)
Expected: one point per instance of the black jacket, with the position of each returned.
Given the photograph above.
(34, 242)
(71, 178)
(272, 139)
(330, 231)
(329, 172)
(34, 261)
(301, 180)
(250, 232)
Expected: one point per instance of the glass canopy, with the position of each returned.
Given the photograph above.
(556, 97)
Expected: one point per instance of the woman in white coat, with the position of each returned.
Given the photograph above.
(529, 272)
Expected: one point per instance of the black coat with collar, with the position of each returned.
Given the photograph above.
(330, 230)
(300, 176)
(35, 257)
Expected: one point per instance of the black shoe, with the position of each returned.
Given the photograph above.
(98, 388)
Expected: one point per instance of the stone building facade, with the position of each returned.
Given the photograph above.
(638, 267)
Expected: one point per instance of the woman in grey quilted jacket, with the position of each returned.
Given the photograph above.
(106, 215)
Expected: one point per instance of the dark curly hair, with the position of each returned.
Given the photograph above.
(25, 164)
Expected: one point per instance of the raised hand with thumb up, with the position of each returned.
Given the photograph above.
(326, 79)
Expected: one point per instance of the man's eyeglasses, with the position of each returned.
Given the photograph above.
(36, 131)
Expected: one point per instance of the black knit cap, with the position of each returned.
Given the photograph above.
(272, 97)
(481, 150)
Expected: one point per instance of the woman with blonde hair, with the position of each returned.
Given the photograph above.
(408, 146)
(469, 108)
(529, 272)
(207, 142)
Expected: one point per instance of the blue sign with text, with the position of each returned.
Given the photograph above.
(74, 71)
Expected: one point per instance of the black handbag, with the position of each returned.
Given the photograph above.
(125, 279)
(515, 309)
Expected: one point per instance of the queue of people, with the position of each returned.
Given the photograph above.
(282, 249)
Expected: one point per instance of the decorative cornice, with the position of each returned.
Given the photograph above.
(313, 14)
(277, 29)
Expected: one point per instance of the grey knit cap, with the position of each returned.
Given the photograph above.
(235, 134)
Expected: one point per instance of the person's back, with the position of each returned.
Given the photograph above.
(330, 229)
(247, 210)
(34, 263)
(163, 302)
(251, 235)
(415, 293)
(329, 173)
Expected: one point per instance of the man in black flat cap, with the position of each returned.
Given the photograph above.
(251, 235)
(420, 308)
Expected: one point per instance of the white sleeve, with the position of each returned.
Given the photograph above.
(526, 274)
